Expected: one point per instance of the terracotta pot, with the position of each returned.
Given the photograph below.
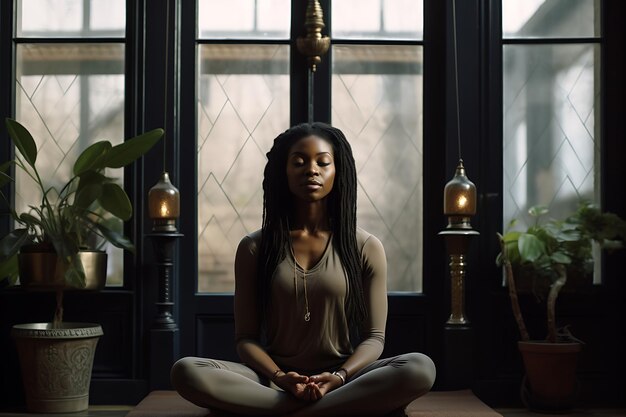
(42, 271)
(550, 374)
(56, 364)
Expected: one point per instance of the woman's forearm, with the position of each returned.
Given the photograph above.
(365, 353)
(255, 356)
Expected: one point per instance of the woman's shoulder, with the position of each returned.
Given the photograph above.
(251, 241)
(365, 239)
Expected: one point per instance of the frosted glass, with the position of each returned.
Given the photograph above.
(244, 19)
(550, 18)
(377, 103)
(378, 19)
(68, 102)
(243, 104)
(71, 18)
(551, 128)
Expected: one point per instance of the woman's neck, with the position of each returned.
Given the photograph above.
(311, 217)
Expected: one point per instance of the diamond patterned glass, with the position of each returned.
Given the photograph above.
(377, 103)
(551, 127)
(69, 96)
(550, 18)
(70, 18)
(378, 19)
(243, 104)
(244, 19)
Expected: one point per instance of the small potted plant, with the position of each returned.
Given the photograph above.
(55, 247)
(549, 251)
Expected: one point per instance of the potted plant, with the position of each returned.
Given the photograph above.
(549, 251)
(55, 247)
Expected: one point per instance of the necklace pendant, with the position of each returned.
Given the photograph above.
(307, 316)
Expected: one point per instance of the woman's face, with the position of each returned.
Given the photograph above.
(311, 168)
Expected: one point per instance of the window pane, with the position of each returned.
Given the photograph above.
(69, 96)
(71, 18)
(551, 128)
(378, 19)
(243, 104)
(550, 18)
(244, 19)
(377, 103)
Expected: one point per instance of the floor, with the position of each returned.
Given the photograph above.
(516, 412)
(121, 411)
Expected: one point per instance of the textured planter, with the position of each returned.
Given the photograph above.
(56, 364)
(35, 270)
(550, 375)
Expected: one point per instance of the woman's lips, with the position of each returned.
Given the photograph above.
(312, 185)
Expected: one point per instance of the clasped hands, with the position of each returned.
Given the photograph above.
(308, 388)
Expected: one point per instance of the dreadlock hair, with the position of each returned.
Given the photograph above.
(275, 238)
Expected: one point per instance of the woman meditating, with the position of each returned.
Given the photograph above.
(310, 300)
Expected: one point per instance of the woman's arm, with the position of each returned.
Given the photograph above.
(375, 292)
(247, 323)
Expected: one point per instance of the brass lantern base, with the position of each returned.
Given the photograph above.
(457, 242)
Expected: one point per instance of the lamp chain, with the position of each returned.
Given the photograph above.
(456, 79)
(167, 43)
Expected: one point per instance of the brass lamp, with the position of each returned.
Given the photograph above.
(459, 199)
(164, 204)
(459, 204)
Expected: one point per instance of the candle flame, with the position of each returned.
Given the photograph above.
(462, 201)
(164, 210)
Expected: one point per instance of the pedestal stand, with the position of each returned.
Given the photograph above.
(457, 372)
(164, 335)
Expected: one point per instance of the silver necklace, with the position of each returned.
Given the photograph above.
(307, 315)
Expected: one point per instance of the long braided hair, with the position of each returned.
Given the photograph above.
(275, 236)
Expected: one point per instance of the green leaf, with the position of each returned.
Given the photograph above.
(23, 140)
(87, 195)
(511, 236)
(561, 258)
(570, 235)
(530, 247)
(115, 200)
(30, 219)
(90, 178)
(4, 179)
(11, 243)
(125, 153)
(117, 239)
(75, 273)
(92, 158)
(537, 211)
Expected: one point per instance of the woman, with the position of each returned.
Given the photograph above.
(309, 286)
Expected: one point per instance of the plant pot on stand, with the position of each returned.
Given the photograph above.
(56, 359)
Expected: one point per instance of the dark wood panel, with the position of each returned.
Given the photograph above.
(215, 337)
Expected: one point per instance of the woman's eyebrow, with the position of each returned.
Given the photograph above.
(298, 153)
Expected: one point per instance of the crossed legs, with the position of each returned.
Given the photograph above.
(379, 388)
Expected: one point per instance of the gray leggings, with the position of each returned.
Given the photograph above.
(381, 387)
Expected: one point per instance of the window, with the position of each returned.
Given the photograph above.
(551, 67)
(377, 102)
(243, 104)
(69, 87)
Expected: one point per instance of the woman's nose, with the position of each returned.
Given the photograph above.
(311, 169)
